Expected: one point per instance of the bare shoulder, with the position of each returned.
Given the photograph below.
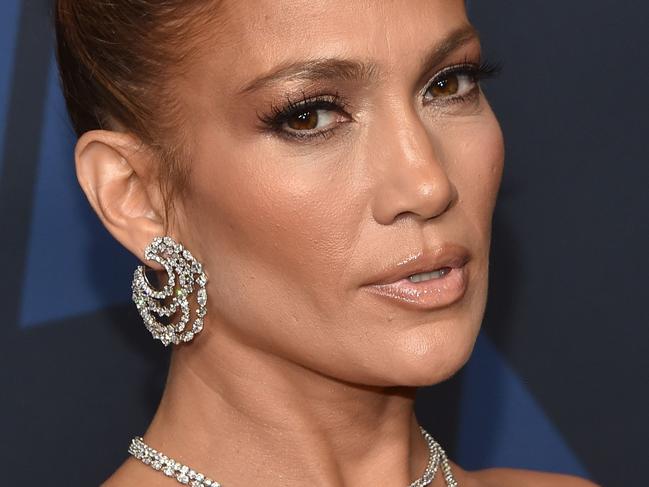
(509, 477)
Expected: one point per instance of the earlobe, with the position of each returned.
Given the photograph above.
(118, 174)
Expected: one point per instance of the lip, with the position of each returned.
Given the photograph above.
(393, 282)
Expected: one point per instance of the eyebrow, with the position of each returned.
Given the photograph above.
(351, 69)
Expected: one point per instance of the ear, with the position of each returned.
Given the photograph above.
(119, 175)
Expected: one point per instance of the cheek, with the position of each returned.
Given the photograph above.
(477, 173)
(276, 234)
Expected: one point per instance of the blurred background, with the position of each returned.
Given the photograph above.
(559, 377)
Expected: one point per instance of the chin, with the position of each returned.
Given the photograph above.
(432, 362)
(424, 356)
(423, 348)
(433, 352)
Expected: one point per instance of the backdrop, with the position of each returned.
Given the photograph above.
(558, 380)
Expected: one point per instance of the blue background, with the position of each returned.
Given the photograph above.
(558, 380)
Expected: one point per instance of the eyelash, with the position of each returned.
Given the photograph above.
(477, 73)
(338, 103)
(281, 115)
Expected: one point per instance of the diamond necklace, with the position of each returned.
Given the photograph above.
(187, 476)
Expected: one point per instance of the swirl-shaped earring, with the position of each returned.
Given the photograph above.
(173, 298)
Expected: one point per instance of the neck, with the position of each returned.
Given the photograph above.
(244, 417)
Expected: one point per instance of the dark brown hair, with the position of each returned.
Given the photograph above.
(117, 61)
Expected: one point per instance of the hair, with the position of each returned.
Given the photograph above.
(117, 61)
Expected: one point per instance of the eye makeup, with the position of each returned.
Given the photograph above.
(298, 120)
(279, 118)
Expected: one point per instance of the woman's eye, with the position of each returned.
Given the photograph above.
(318, 116)
(311, 119)
(452, 85)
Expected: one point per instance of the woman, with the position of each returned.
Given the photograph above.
(331, 170)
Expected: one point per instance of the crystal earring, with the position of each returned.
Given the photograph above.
(173, 298)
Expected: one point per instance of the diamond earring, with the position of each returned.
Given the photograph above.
(173, 298)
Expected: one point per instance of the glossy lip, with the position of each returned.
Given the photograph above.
(394, 284)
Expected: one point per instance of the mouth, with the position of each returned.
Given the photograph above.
(428, 276)
(427, 280)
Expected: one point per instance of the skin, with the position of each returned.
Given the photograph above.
(301, 377)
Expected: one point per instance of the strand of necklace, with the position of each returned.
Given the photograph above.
(188, 476)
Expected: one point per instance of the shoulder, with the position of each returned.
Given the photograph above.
(509, 477)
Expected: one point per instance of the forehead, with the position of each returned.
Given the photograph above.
(257, 35)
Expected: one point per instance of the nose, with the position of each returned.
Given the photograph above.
(411, 177)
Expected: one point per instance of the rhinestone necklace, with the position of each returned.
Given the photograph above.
(187, 476)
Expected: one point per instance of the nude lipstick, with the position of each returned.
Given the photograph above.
(426, 280)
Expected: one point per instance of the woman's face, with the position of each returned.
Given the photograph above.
(364, 144)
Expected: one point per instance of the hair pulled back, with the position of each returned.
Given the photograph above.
(117, 62)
